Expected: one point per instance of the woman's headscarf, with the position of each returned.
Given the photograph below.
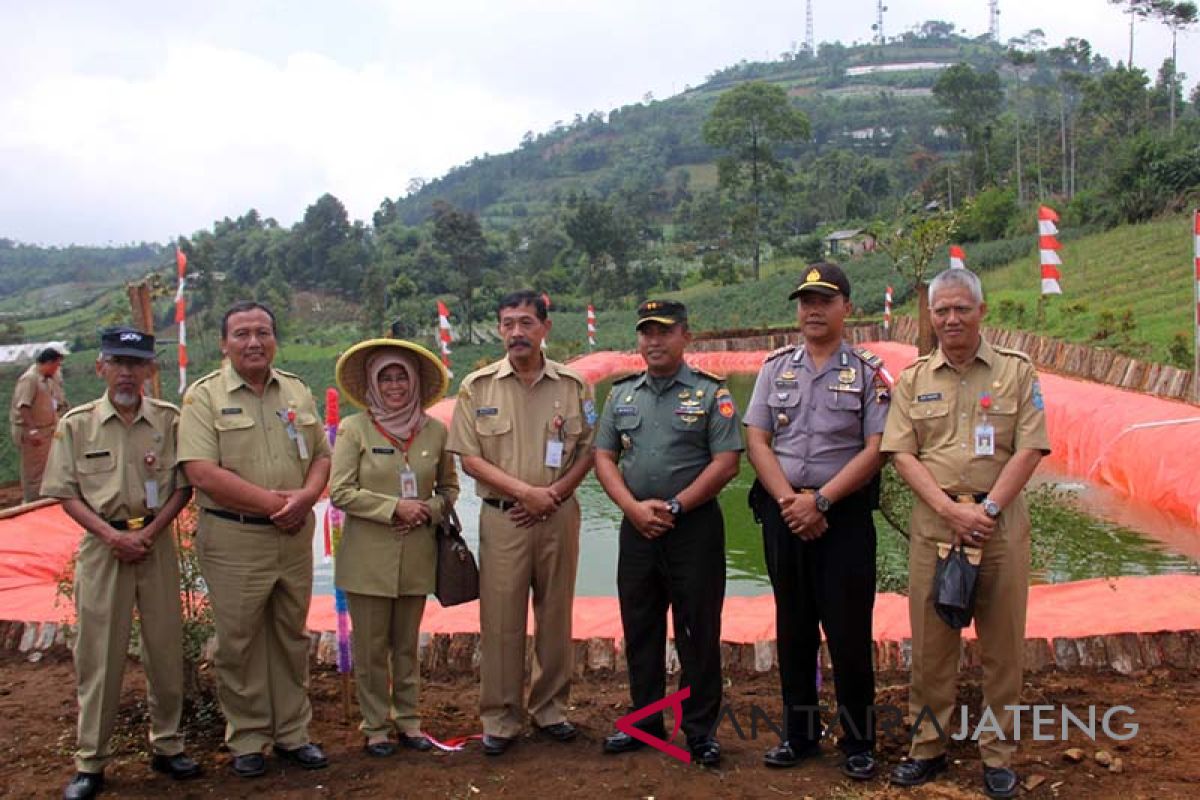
(403, 422)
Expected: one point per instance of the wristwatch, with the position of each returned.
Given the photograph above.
(674, 506)
(991, 507)
(822, 502)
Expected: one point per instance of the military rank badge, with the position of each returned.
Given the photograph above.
(725, 403)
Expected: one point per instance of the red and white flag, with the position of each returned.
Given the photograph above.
(444, 334)
(887, 310)
(958, 259)
(591, 324)
(1196, 231)
(546, 300)
(181, 317)
(1048, 247)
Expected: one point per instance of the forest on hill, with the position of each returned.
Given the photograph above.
(720, 184)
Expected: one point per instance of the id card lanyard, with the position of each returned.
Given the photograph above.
(289, 421)
(985, 433)
(554, 447)
(408, 478)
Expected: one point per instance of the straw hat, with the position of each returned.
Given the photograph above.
(351, 370)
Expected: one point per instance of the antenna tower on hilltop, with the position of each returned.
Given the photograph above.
(878, 26)
(994, 20)
(810, 43)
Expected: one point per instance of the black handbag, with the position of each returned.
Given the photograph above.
(954, 585)
(457, 572)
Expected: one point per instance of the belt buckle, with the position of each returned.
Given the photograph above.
(135, 524)
(808, 491)
(966, 499)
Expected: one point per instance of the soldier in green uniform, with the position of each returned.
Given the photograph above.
(112, 463)
(668, 441)
(252, 444)
(967, 428)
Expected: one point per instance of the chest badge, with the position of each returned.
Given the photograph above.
(846, 376)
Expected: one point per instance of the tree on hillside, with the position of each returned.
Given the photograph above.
(913, 243)
(974, 100)
(458, 236)
(1136, 9)
(1176, 16)
(597, 230)
(749, 122)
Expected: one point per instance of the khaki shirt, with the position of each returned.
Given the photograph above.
(96, 458)
(225, 422)
(508, 424)
(373, 557)
(38, 393)
(665, 431)
(936, 408)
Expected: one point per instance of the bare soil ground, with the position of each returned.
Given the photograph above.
(37, 709)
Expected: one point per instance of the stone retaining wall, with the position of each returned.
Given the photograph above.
(458, 653)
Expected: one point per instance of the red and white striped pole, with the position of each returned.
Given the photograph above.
(444, 334)
(591, 323)
(958, 258)
(181, 317)
(887, 313)
(1048, 248)
(1196, 343)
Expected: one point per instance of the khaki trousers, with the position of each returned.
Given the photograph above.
(260, 584)
(512, 561)
(106, 592)
(1001, 592)
(34, 455)
(387, 670)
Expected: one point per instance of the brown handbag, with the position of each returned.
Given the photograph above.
(457, 573)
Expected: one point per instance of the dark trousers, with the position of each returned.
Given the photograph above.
(829, 581)
(684, 570)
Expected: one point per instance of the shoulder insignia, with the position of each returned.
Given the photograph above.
(205, 379)
(868, 358)
(80, 409)
(572, 374)
(722, 392)
(779, 351)
(1014, 353)
(712, 376)
(920, 360)
(629, 378)
(291, 375)
(163, 404)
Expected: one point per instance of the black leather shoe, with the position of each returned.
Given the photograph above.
(381, 749)
(250, 765)
(785, 755)
(860, 766)
(621, 742)
(178, 766)
(705, 752)
(308, 756)
(916, 771)
(560, 731)
(495, 745)
(84, 785)
(416, 741)
(999, 782)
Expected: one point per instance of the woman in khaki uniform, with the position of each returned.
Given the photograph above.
(394, 479)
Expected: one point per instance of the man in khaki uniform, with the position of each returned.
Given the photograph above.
(524, 428)
(113, 465)
(38, 402)
(251, 442)
(967, 428)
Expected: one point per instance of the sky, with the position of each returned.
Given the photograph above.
(132, 120)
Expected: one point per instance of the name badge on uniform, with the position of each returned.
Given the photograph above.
(408, 483)
(554, 453)
(487, 411)
(985, 439)
(383, 451)
(625, 411)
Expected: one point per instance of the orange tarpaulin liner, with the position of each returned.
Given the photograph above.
(1092, 430)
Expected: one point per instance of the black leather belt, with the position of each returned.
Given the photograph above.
(135, 524)
(233, 516)
(503, 505)
(967, 497)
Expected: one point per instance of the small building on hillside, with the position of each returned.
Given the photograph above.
(849, 243)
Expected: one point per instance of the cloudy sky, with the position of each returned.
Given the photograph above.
(133, 120)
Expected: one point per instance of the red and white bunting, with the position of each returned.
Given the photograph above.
(181, 316)
(887, 310)
(591, 324)
(1048, 247)
(444, 334)
(958, 258)
(546, 300)
(1196, 272)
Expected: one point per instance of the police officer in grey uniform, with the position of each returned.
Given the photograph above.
(674, 431)
(813, 429)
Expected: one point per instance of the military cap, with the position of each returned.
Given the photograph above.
(664, 312)
(125, 341)
(823, 278)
